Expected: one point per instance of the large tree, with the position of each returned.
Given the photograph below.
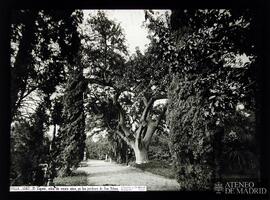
(129, 89)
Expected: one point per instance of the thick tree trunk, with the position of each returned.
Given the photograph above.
(141, 138)
(142, 141)
(141, 155)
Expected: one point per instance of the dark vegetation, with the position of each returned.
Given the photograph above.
(206, 134)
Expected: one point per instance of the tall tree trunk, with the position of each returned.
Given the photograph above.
(142, 141)
(141, 154)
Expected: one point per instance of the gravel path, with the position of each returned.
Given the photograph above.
(106, 173)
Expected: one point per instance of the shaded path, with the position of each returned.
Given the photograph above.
(106, 173)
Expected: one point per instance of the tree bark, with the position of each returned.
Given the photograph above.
(151, 129)
(141, 154)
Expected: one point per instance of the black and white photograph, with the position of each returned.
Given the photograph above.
(136, 100)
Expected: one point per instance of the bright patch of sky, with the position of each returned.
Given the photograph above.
(132, 23)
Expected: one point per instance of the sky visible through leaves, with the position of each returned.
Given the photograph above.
(132, 23)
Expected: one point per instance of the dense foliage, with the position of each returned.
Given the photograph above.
(44, 44)
(98, 149)
(210, 82)
(29, 149)
(191, 138)
(72, 131)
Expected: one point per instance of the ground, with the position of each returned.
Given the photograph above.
(106, 173)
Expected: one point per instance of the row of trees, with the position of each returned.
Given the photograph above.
(44, 62)
(194, 80)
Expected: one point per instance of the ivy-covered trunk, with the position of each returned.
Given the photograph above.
(191, 137)
(72, 131)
